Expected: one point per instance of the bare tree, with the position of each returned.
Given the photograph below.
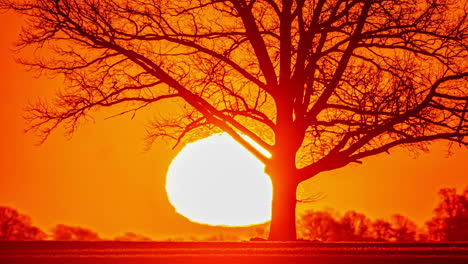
(318, 84)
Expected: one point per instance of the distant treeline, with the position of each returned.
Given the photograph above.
(449, 223)
(16, 226)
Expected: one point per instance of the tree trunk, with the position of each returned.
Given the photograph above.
(283, 211)
(282, 169)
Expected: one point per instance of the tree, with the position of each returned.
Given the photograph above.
(354, 226)
(319, 225)
(130, 236)
(15, 226)
(450, 222)
(318, 84)
(399, 229)
(71, 233)
(382, 230)
(326, 226)
(404, 230)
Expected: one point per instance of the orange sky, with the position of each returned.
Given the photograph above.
(103, 179)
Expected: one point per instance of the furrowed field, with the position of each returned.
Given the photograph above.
(236, 252)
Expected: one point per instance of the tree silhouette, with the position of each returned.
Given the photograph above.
(450, 222)
(319, 226)
(319, 84)
(327, 226)
(130, 236)
(15, 226)
(404, 230)
(355, 227)
(71, 233)
(381, 230)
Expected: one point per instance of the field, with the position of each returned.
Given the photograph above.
(52, 252)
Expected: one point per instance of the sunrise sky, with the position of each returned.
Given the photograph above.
(104, 179)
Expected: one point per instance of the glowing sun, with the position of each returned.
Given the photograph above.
(216, 181)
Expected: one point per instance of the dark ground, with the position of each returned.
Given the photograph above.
(53, 252)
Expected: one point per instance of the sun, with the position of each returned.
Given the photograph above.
(216, 181)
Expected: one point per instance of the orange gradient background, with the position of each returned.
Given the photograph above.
(103, 179)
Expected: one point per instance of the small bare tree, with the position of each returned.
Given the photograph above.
(319, 84)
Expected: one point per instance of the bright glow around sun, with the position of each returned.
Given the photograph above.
(216, 181)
